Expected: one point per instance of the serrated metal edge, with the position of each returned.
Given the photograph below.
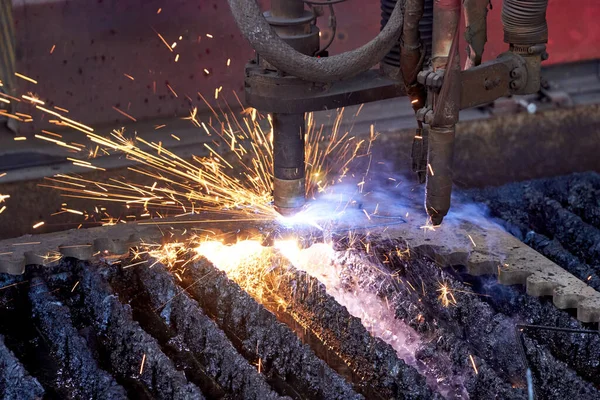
(493, 251)
(483, 251)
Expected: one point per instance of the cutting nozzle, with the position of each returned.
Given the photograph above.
(439, 173)
(288, 195)
(288, 162)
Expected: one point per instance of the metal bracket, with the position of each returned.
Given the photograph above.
(269, 91)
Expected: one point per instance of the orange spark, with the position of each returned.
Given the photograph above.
(124, 113)
(89, 166)
(143, 362)
(172, 91)
(163, 40)
(430, 169)
(73, 212)
(61, 109)
(10, 97)
(33, 99)
(18, 75)
(70, 121)
(58, 142)
(472, 241)
(51, 133)
(473, 363)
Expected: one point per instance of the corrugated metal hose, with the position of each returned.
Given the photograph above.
(273, 49)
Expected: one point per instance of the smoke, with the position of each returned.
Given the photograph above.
(379, 198)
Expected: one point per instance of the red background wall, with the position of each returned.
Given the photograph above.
(99, 41)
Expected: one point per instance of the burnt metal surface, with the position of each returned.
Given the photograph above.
(559, 217)
(483, 249)
(188, 334)
(482, 321)
(221, 340)
(69, 349)
(15, 381)
(372, 365)
(258, 335)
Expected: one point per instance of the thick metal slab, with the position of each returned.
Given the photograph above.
(485, 248)
(481, 246)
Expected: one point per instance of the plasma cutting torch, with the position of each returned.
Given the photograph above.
(418, 57)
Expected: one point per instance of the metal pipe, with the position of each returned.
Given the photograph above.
(476, 34)
(287, 8)
(446, 105)
(278, 53)
(412, 55)
(439, 172)
(525, 22)
(446, 17)
(288, 162)
(289, 129)
(411, 51)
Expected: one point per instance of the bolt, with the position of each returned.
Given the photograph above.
(514, 84)
(421, 114)
(428, 117)
(422, 76)
(515, 73)
(530, 107)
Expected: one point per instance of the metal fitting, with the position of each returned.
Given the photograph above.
(432, 80)
(422, 114)
(288, 195)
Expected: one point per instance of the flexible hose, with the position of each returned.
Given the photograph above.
(282, 56)
(525, 21)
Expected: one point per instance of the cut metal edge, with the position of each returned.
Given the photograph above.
(493, 251)
(483, 251)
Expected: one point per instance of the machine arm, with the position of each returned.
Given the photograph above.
(288, 80)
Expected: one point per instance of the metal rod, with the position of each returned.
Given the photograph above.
(446, 105)
(287, 8)
(521, 346)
